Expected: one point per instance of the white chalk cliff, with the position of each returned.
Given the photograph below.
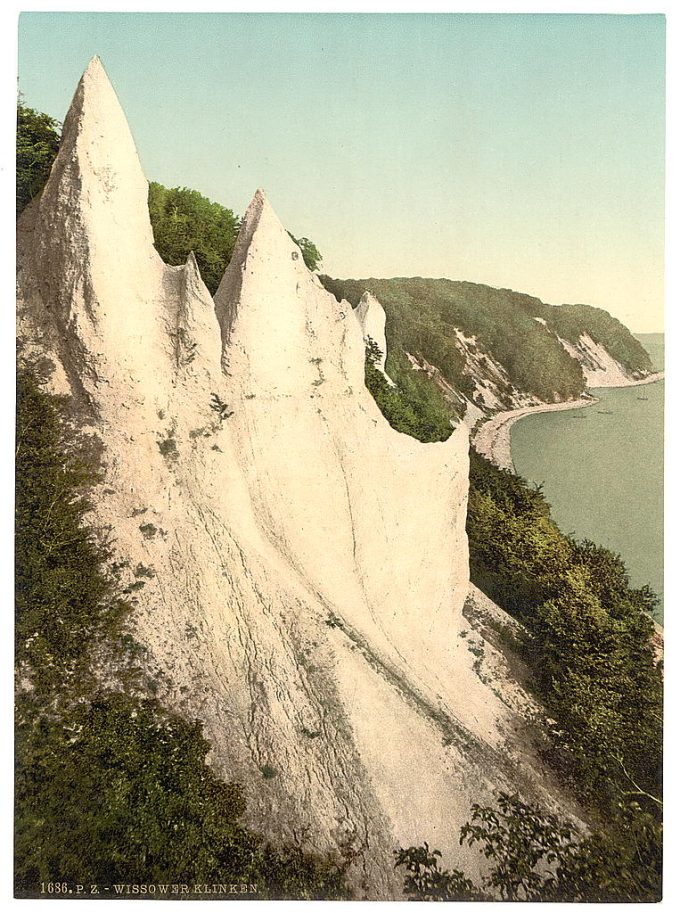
(600, 369)
(311, 563)
(372, 319)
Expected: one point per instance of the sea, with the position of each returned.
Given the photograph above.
(601, 469)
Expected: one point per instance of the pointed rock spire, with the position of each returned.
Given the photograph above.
(93, 255)
(97, 155)
(372, 320)
(276, 318)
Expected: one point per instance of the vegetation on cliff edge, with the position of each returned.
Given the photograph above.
(412, 406)
(535, 856)
(110, 785)
(37, 147)
(423, 315)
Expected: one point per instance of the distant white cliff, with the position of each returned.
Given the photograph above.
(599, 367)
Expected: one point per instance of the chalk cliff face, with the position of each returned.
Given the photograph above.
(372, 319)
(599, 367)
(310, 563)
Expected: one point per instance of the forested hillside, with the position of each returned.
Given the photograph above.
(570, 321)
(424, 314)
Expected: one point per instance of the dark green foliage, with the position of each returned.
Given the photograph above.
(599, 680)
(37, 147)
(422, 315)
(519, 840)
(122, 793)
(426, 880)
(110, 786)
(133, 795)
(518, 556)
(310, 252)
(183, 221)
(536, 857)
(411, 407)
(61, 606)
(589, 638)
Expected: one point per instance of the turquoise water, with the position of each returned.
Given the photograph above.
(602, 470)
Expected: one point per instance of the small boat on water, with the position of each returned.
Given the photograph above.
(604, 412)
(643, 398)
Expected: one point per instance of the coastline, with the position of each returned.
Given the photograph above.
(491, 439)
(649, 379)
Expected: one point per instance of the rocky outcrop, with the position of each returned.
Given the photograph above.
(372, 319)
(308, 565)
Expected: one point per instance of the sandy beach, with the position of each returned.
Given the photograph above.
(492, 438)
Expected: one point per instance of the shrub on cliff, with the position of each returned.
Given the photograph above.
(183, 220)
(534, 856)
(310, 252)
(411, 407)
(119, 791)
(65, 596)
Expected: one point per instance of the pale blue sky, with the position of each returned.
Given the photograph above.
(523, 151)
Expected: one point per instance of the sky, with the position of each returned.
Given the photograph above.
(520, 151)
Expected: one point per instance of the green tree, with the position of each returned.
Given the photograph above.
(412, 406)
(310, 252)
(426, 880)
(535, 856)
(183, 220)
(37, 147)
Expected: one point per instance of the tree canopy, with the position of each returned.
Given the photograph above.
(37, 147)
(183, 220)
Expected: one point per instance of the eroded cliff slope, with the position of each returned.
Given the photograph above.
(307, 564)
